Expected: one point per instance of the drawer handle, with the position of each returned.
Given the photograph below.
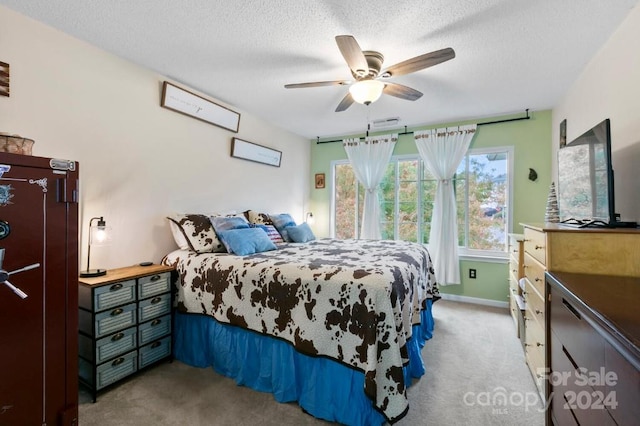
(524, 293)
(156, 344)
(116, 312)
(538, 311)
(156, 300)
(571, 308)
(538, 344)
(155, 278)
(117, 337)
(514, 271)
(155, 322)
(538, 247)
(116, 287)
(536, 279)
(117, 361)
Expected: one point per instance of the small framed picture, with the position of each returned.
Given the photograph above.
(563, 133)
(319, 180)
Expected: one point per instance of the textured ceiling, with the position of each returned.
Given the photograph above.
(510, 54)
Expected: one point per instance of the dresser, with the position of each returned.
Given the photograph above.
(516, 253)
(124, 323)
(534, 266)
(594, 337)
(560, 248)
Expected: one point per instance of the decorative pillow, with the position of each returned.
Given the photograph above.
(244, 241)
(271, 231)
(281, 222)
(198, 232)
(225, 223)
(301, 233)
(258, 218)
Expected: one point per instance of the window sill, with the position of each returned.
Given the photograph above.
(493, 258)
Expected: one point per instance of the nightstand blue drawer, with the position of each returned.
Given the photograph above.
(109, 372)
(154, 329)
(112, 371)
(115, 320)
(154, 284)
(155, 351)
(119, 343)
(154, 307)
(117, 294)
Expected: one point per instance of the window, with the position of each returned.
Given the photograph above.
(482, 186)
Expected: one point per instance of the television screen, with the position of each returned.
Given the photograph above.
(585, 178)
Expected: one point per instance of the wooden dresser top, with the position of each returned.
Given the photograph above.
(559, 227)
(126, 273)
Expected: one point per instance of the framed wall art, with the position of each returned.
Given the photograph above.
(319, 180)
(563, 133)
(187, 103)
(253, 152)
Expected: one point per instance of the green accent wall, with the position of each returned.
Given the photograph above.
(531, 140)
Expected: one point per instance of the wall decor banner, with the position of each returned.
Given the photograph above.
(254, 152)
(4, 79)
(187, 103)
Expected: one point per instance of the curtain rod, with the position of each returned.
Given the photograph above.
(410, 132)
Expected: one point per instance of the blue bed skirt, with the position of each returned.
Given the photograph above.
(324, 388)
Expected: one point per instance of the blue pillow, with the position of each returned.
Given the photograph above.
(243, 241)
(301, 233)
(281, 222)
(222, 223)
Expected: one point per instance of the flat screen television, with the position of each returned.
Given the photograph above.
(585, 179)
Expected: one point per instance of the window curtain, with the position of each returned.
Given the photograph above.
(369, 159)
(441, 151)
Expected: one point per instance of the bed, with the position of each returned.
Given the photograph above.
(336, 325)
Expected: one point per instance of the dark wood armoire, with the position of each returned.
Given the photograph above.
(38, 291)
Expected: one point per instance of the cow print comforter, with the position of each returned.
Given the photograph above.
(354, 301)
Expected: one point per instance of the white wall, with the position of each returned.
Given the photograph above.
(609, 87)
(138, 161)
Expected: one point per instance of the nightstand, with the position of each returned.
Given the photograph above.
(124, 323)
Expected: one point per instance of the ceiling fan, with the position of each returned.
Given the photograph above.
(370, 82)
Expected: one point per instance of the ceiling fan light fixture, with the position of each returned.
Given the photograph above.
(366, 91)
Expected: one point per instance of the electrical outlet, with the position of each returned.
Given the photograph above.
(472, 274)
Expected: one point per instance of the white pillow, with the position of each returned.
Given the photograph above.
(178, 236)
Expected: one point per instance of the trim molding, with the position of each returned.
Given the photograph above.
(476, 300)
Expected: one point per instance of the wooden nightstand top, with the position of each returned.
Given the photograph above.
(126, 273)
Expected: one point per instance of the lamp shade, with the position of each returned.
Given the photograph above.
(99, 234)
(366, 91)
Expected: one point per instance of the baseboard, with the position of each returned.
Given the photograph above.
(476, 300)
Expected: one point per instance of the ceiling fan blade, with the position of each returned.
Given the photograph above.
(419, 62)
(317, 84)
(402, 92)
(345, 103)
(352, 53)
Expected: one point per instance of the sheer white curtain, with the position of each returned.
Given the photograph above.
(369, 159)
(442, 150)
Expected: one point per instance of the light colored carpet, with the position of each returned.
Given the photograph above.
(473, 358)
